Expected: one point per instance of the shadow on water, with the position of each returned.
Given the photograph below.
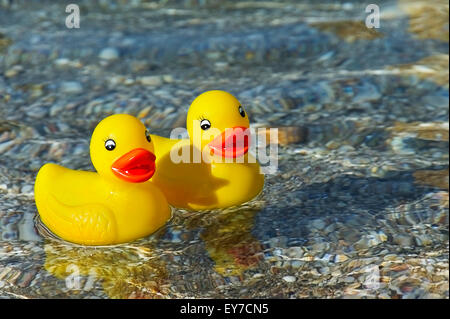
(355, 201)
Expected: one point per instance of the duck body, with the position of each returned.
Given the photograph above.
(98, 208)
(245, 181)
(84, 208)
(202, 186)
(206, 180)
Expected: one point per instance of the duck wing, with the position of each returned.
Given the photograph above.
(63, 200)
(89, 224)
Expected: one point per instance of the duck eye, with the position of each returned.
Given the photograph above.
(110, 145)
(147, 135)
(205, 124)
(241, 111)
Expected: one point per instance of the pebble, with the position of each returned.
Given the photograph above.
(151, 80)
(26, 279)
(403, 240)
(289, 278)
(109, 54)
(346, 148)
(336, 273)
(400, 267)
(27, 189)
(423, 240)
(11, 73)
(390, 257)
(6, 145)
(382, 236)
(324, 270)
(294, 252)
(332, 145)
(349, 279)
(340, 258)
(117, 79)
(139, 66)
(62, 62)
(278, 242)
(330, 228)
(144, 112)
(320, 247)
(318, 224)
(363, 243)
(168, 78)
(56, 108)
(326, 257)
(71, 87)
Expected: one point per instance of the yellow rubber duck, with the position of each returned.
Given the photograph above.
(218, 171)
(114, 204)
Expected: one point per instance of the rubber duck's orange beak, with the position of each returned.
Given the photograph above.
(232, 143)
(136, 166)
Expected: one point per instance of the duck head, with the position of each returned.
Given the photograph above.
(121, 147)
(218, 124)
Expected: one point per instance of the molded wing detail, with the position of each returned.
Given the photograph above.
(85, 224)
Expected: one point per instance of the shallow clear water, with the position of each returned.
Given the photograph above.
(359, 205)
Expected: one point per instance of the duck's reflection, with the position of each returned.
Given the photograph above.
(123, 271)
(231, 245)
(228, 238)
(137, 270)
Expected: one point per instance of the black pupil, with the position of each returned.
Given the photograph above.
(110, 145)
(147, 135)
(205, 126)
(241, 110)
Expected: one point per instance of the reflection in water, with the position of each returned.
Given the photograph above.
(124, 271)
(230, 244)
(348, 30)
(138, 271)
(228, 238)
